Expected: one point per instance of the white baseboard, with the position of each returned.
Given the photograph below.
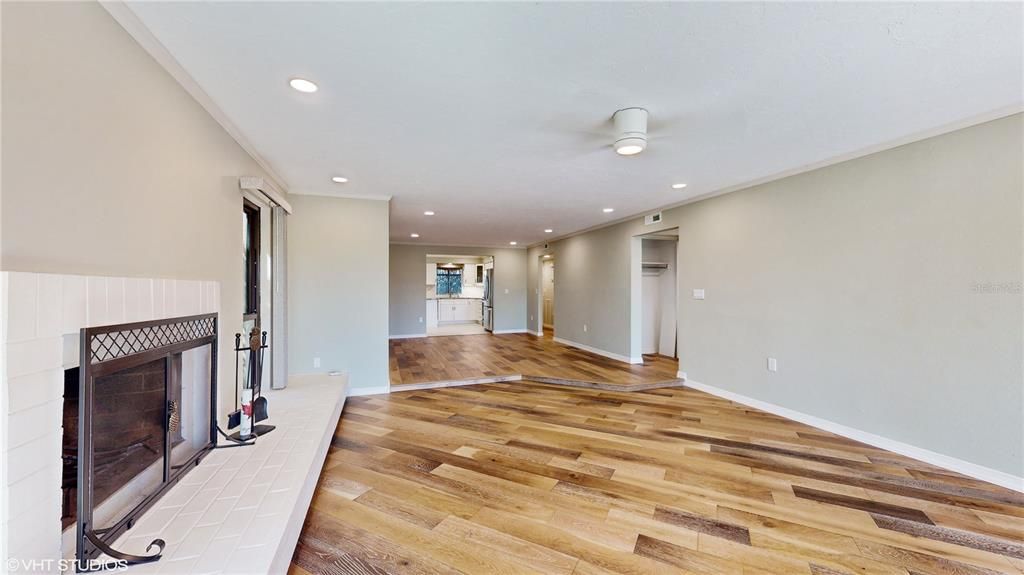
(967, 468)
(501, 331)
(608, 354)
(407, 336)
(375, 390)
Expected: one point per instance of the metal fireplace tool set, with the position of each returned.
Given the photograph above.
(253, 406)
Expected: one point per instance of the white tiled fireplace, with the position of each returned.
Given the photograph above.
(41, 318)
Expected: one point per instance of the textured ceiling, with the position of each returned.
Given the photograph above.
(495, 115)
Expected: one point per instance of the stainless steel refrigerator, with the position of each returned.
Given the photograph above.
(488, 312)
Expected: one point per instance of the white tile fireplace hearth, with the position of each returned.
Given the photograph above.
(242, 509)
(239, 511)
(41, 318)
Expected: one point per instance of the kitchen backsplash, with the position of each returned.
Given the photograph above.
(467, 291)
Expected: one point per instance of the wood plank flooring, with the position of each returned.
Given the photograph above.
(435, 359)
(532, 478)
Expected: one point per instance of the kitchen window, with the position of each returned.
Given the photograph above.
(449, 281)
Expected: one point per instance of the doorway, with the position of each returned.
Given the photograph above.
(264, 281)
(545, 325)
(548, 294)
(658, 294)
(459, 294)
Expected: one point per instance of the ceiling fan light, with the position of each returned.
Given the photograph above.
(630, 146)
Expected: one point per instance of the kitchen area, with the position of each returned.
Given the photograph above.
(459, 294)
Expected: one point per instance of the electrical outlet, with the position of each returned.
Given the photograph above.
(584, 328)
(773, 365)
(531, 318)
(506, 290)
(421, 320)
(698, 294)
(316, 362)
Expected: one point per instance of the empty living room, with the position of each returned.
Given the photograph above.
(576, 288)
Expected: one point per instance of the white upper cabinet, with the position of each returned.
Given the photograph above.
(469, 274)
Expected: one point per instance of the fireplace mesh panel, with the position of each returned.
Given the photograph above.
(115, 344)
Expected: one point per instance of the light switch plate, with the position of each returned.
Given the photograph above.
(698, 294)
(773, 365)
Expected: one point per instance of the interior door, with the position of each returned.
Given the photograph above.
(549, 294)
(650, 312)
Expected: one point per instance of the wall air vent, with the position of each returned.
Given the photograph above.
(654, 218)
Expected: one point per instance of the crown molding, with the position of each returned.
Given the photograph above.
(131, 23)
(867, 151)
(447, 245)
(377, 197)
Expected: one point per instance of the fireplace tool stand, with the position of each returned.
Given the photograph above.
(253, 407)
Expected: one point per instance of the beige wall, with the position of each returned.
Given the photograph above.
(408, 286)
(338, 307)
(109, 166)
(887, 287)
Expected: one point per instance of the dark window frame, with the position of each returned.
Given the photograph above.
(448, 273)
(252, 260)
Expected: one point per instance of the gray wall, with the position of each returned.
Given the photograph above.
(337, 309)
(109, 166)
(592, 286)
(408, 286)
(888, 288)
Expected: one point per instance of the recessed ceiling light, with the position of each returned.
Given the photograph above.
(678, 186)
(548, 231)
(428, 213)
(546, 256)
(414, 235)
(339, 180)
(512, 243)
(303, 85)
(608, 210)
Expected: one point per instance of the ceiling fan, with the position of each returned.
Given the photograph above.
(627, 131)
(630, 131)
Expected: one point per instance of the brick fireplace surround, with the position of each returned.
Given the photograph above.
(239, 511)
(42, 315)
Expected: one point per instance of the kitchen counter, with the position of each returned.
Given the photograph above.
(444, 298)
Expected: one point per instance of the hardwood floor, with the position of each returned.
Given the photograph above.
(532, 478)
(435, 359)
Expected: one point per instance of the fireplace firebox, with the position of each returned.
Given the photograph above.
(145, 412)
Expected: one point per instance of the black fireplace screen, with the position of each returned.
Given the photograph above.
(136, 433)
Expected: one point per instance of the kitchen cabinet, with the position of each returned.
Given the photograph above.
(431, 274)
(431, 313)
(469, 274)
(459, 310)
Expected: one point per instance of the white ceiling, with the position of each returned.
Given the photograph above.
(486, 112)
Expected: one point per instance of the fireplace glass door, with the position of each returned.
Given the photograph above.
(128, 447)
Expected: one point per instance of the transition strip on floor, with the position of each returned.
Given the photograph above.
(538, 379)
